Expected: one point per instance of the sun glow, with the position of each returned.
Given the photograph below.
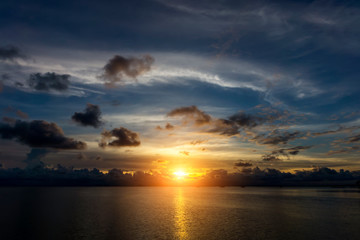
(180, 174)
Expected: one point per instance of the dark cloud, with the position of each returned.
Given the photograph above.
(339, 130)
(196, 142)
(119, 67)
(10, 53)
(276, 137)
(270, 158)
(168, 126)
(245, 120)
(229, 126)
(81, 156)
(345, 150)
(49, 81)
(90, 117)
(191, 113)
(34, 157)
(39, 134)
(9, 120)
(276, 155)
(355, 138)
(123, 138)
(242, 163)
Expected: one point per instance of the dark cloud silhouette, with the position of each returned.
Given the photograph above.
(9, 120)
(276, 137)
(119, 67)
(242, 163)
(355, 138)
(90, 117)
(245, 120)
(10, 53)
(339, 130)
(270, 158)
(275, 155)
(34, 157)
(191, 113)
(60, 176)
(196, 142)
(123, 138)
(229, 126)
(39, 134)
(81, 156)
(168, 126)
(49, 81)
(347, 149)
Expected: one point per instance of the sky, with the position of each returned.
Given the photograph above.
(188, 86)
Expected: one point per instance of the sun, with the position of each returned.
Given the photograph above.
(180, 174)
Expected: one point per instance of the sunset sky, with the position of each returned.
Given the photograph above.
(180, 86)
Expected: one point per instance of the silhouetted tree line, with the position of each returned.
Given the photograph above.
(68, 176)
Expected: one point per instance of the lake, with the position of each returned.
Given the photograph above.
(179, 213)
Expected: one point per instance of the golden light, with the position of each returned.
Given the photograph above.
(180, 174)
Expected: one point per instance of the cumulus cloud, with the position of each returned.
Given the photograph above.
(90, 117)
(49, 81)
(39, 134)
(119, 67)
(10, 53)
(119, 137)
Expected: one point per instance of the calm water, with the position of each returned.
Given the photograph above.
(178, 213)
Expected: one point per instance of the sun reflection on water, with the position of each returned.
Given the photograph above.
(180, 215)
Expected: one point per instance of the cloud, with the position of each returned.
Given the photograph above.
(119, 67)
(18, 112)
(346, 150)
(49, 81)
(186, 153)
(276, 137)
(283, 152)
(34, 157)
(39, 134)
(191, 113)
(10, 53)
(229, 126)
(22, 114)
(82, 156)
(355, 138)
(123, 138)
(270, 158)
(196, 142)
(168, 126)
(242, 163)
(90, 117)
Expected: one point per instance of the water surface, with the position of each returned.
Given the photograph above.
(178, 213)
